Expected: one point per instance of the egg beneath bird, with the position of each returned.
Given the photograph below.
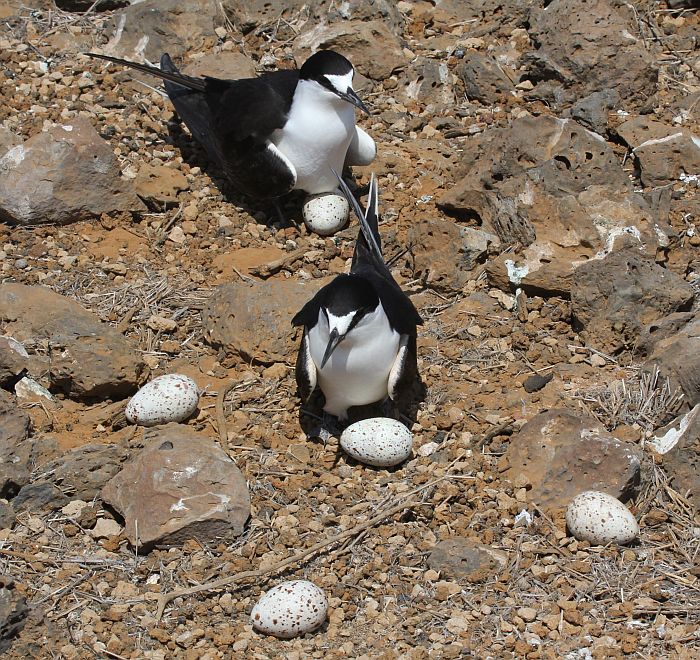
(326, 213)
(600, 518)
(378, 441)
(290, 609)
(168, 398)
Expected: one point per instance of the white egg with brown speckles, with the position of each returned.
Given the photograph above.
(326, 213)
(600, 518)
(290, 609)
(168, 398)
(378, 441)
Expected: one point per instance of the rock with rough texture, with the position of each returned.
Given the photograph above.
(444, 253)
(13, 612)
(460, 558)
(562, 454)
(249, 14)
(581, 50)
(149, 29)
(64, 174)
(13, 360)
(612, 298)
(664, 153)
(179, 486)
(592, 110)
(373, 50)
(39, 496)
(560, 155)
(88, 358)
(7, 515)
(254, 322)
(159, 185)
(229, 65)
(483, 78)
(15, 451)
(677, 357)
(82, 472)
(679, 444)
(557, 189)
(8, 140)
(427, 80)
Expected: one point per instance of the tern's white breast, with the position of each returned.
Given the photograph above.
(316, 136)
(357, 373)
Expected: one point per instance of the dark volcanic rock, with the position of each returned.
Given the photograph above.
(13, 612)
(581, 49)
(562, 454)
(536, 382)
(557, 191)
(7, 515)
(39, 496)
(179, 486)
(664, 152)
(82, 472)
(15, 450)
(677, 357)
(612, 298)
(249, 14)
(484, 79)
(13, 360)
(592, 111)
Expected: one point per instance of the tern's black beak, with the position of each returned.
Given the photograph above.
(351, 97)
(333, 341)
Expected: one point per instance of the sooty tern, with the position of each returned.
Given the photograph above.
(359, 341)
(281, 131)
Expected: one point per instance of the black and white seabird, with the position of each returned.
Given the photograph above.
(281, 131)
(359, 341)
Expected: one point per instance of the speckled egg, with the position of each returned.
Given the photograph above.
(378, 441)
(326, 213)
(600, 518)
(290, 609)
(168, 398)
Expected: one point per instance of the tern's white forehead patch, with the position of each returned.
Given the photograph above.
(341, 83)
(340, 323)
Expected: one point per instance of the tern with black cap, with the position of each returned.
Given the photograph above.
(282, 131)
(359, 341)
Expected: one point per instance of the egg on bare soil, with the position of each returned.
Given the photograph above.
(378, 441)
(168, 398)
(600, 518)
(326, 213)
(290, 609)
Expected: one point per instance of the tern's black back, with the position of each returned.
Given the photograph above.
(232, 120)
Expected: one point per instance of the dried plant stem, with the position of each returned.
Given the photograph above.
(275, 568)
(221, 417)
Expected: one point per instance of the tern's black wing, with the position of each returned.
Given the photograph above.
(193, 109)
(368, 262)
(232, 120)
